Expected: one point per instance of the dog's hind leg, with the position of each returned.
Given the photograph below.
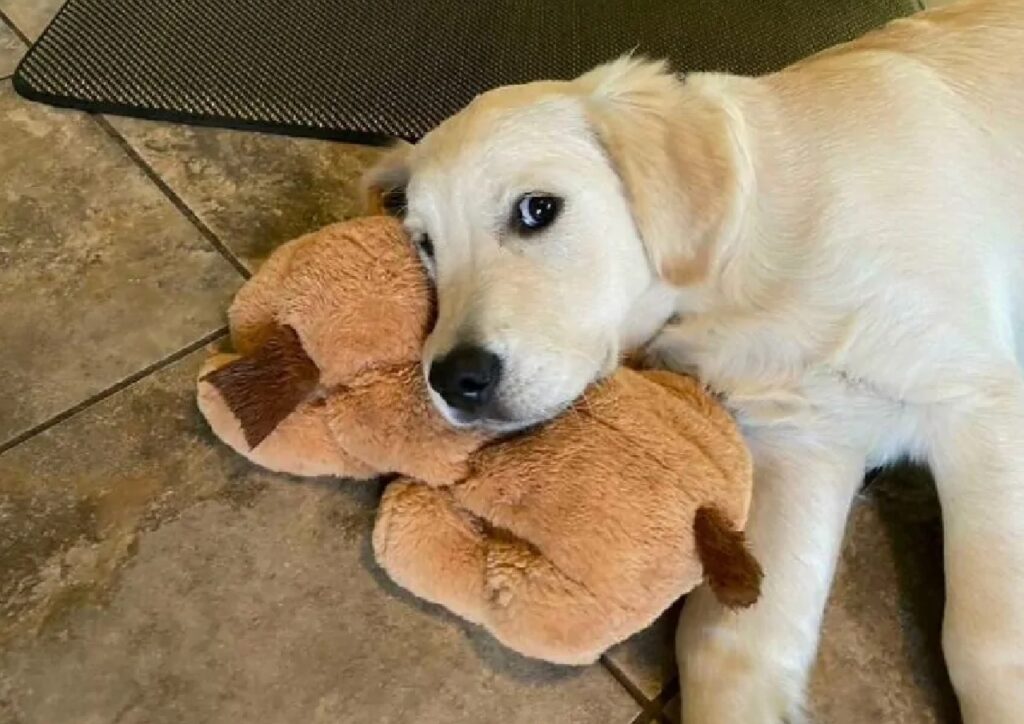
(977, 455)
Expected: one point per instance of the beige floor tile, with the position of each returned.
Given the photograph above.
(30, 16)
(253, 190)
(100, 275)
(148, 574)
(11, 50)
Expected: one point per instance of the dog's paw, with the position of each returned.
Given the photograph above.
(663, 354)
(732, 709)
(739, 685)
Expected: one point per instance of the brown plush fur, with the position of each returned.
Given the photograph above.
(263, 388)
(731, 571)
(561, 541)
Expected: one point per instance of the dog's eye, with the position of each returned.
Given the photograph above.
(535, 211)
(425, 245)
(393, 202)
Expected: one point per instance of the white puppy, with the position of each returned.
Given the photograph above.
(837, 248)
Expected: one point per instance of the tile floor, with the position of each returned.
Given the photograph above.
(149, 575)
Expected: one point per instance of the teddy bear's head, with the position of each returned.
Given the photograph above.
(329, 334)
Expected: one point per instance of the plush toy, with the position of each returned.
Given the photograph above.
(562, 540)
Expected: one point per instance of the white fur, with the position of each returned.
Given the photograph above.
(841, 249)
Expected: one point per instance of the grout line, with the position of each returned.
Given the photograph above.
(653, 711)
(644, 717)
(15, 29)
(113, 389)
(624, 681)
(662, 699)
(178, 202)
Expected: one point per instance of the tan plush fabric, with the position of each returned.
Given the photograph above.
(561, 541)
(356, 296)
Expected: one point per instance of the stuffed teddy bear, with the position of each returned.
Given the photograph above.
(562, 540)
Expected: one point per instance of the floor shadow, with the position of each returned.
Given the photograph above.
(911, 518)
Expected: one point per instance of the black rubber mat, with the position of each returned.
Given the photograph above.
(374, 69)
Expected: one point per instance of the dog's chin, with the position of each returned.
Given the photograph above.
(499, 427)
(496, 423)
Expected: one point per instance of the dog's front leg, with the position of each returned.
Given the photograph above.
(978, 459)
(751, 666)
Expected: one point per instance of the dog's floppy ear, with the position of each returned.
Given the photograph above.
(632, 81)
(730, 569)
(383, 187)
(262, 388)
(670, 146)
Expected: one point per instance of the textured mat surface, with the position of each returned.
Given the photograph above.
(373, 69)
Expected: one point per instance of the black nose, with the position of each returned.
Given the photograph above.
(466, 377)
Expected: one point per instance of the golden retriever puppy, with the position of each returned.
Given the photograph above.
(837, 248)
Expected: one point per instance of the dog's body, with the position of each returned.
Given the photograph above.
(837, 248)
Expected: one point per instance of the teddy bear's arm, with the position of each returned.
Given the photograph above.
(431, 547)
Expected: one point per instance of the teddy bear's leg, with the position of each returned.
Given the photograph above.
(301, 444)
(431, 547)
(536, 609)
(440, 552)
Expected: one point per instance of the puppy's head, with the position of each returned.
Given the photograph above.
(545, 214)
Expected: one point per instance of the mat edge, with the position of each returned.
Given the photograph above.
(366, 138)
(363, 138)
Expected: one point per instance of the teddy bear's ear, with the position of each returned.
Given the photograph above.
(262, 388)
(730, 569)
